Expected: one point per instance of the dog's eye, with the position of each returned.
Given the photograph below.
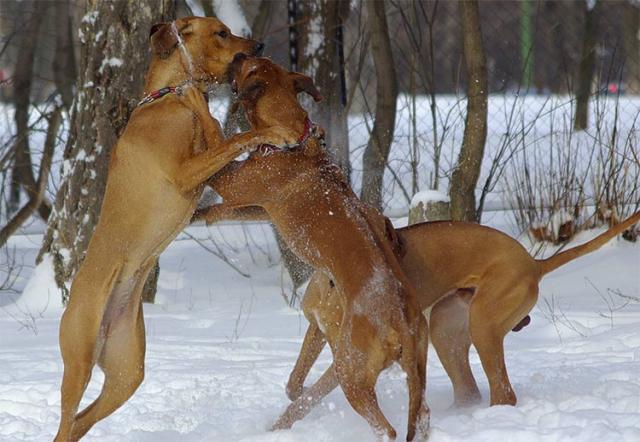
(223, 34)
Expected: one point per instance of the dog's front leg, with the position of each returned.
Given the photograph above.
(192, 98)
(197, 169)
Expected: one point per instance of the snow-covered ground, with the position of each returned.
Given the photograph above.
(220, 348)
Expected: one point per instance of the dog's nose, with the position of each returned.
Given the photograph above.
(258, 48)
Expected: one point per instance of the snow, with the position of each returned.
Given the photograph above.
(230, 13)
(90, 17)
(41, 294)
(427, 196)
(111, 61)
(221, 346)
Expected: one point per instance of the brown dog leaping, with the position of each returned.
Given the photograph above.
(154, 182)
(479, 284)
(323, 222)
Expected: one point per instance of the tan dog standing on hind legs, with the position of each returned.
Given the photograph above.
(479, 284)
(324, 223)
(155, 180)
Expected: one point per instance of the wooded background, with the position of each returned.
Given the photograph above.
(71, 72)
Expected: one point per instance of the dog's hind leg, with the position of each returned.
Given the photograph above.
(121, 358)
(309, 399)
(79, 328)
(312, 346)
(414, 363)
(489, 325)
(449, 332)
(122, 362)
(420, 421)
(357, 370)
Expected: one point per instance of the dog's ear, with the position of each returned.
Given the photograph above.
(303, 83)
(163, 39)
(252, 92)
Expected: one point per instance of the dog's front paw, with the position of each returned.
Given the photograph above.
(280, 136)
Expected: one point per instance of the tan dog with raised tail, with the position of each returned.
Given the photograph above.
(479, 284)
(154, 182)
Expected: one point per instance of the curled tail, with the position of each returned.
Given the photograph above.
(552, 263)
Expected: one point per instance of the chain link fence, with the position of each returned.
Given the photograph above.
(539, 160)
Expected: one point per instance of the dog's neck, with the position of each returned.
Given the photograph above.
(163, 73)
(277, 107)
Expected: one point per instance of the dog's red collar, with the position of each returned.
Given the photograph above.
(154, 95)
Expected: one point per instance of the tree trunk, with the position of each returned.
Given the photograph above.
(377, 151)
(22, 174)
(64, 68)
(320, 55)
(632, 46)
(587, 66)
(465, 176)
(114, 58)
(238, 120)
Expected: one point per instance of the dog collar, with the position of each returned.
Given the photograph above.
(154, 95)
(157, 94)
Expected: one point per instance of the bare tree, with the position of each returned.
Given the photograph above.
(22, 175)
(35, 199)
(64, 65)
(109, 83)
(320, 54)
(377, 151)
(465, 176)
(587, 64)
(632, 45)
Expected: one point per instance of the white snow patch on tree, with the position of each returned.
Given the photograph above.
(231, 14)
(427, 196)
(90, 17)
(113, 61)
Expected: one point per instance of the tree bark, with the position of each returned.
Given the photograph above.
(64, 65)
(465, 176)
(377, 150)
(238, 120)
(114, 38)
(587, 66)
(320, 56)
(632, 46)
(22, 174)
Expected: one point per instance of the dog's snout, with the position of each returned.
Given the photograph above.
(258, 48)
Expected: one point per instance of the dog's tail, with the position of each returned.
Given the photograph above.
(552, 263)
